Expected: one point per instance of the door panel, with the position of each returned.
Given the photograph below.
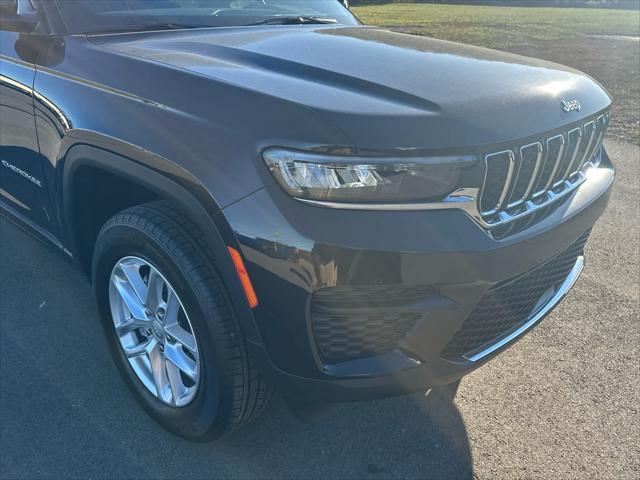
(22, 183)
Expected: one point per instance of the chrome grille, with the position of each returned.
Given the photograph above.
(527, 178)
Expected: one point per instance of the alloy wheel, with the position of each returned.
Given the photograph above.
(154, 331)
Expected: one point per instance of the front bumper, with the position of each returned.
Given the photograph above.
(296, 253)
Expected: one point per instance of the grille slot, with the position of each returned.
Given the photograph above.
(555, 151)
(499, 172)
(525, 179)
(510, 304)
(602, 124)
(568, 157)
(530, 162)
(356, 322)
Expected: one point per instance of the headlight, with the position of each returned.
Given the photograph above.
(366, 179)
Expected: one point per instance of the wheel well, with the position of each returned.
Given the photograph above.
(96, 196)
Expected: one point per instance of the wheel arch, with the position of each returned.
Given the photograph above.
(159, 179)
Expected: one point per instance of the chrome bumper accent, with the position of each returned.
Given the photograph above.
(539, 315)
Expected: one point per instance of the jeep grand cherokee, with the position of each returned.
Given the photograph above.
(268, 195)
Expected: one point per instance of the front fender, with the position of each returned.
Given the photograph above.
(170, 183)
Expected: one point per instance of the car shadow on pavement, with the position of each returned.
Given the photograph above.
(64, 412)
(405, 437)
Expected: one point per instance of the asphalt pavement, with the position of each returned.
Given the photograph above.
(562, 403)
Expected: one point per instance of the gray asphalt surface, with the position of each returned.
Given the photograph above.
(563, 403)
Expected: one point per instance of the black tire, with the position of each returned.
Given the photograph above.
(231, 392)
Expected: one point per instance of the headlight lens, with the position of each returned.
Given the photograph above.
(366, 179)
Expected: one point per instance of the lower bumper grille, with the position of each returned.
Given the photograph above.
(510, 304)
(356, 322)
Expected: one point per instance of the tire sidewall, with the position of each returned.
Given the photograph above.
(205, 416)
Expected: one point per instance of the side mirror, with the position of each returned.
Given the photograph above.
(18, 15)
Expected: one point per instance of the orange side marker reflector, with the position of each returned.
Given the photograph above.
(244, 277)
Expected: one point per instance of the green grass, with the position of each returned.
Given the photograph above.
(500, 27)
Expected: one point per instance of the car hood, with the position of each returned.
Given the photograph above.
(384, 90)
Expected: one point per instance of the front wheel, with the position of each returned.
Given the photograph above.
(171, 329)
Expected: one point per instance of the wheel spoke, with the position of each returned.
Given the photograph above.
(181, 336)
(176, 355)
(129, 296)
(131, 325)
(172, 309)
(175, 382)
(130, 299)
(131, 271)
(140, 349)
(154, 290)
(157, 360)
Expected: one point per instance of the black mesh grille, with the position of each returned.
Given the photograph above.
(355, 322)
(509, 304)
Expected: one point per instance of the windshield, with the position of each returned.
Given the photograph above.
(100, 16)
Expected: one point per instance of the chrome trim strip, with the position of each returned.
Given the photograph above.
(596, 160)
(599, 138)
(56, 111)
(507, 181)
(586, 158)
(511, 186)
(539, 180)
(558, 159)
(529, 206)
(484, 184)
(461, 199)
(23, 222)
(38, 96)
(570, 167)
(12, 83)
(534, 175)
(539, 315)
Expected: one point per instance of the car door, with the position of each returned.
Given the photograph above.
(23, 190)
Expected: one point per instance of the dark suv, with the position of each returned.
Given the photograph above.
(267, 195)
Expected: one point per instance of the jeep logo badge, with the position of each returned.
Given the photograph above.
(571, 106)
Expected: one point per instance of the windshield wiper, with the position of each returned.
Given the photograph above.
(295, 20)
(146, 27)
